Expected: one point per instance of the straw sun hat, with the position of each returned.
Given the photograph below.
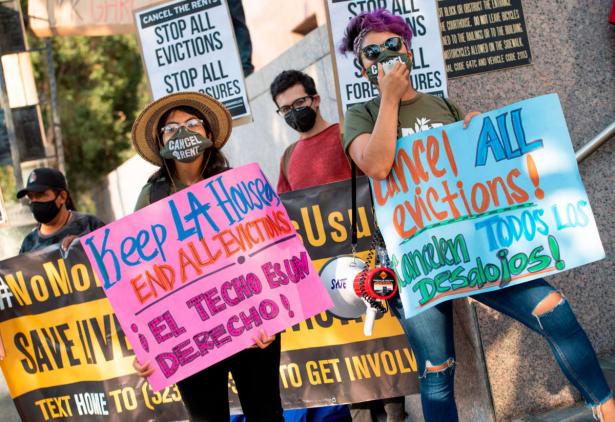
(144, 136)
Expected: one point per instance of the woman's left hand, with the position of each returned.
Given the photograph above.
(466, 120)
(263, 340)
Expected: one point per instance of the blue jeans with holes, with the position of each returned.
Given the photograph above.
(430, 334)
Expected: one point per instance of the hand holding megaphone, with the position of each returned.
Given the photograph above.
(355, 289)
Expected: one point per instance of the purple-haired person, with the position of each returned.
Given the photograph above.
(381, 43)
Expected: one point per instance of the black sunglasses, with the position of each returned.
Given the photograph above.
(372, 51)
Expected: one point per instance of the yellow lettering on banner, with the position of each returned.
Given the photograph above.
(374, 363)
(124, 399)
(39, 288)
(290, 373)
(349, 368)
(335, 221)
(312, 372)
(389, 362)
(81, 277)
(170, 394)
(55, 407)
(58, 280)
(19, 288)
(312, 228)
(360, 366)
(320, 228)
(410, 359)
(324, 371)
(71, 344)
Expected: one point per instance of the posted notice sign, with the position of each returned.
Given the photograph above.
(482, 36)
(428, 69)
(190, 46)
(473, 210)
(194, 277)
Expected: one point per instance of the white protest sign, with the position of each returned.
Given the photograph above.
(190, 46)
(428, 69)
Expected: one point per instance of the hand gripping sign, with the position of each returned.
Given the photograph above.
(194, 277)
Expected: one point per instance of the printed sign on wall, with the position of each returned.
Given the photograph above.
(465, 211)
(428, 70)
(194, 277)
(483, 35)
(190, 46)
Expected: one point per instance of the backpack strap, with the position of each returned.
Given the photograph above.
(453, 111)
(161, 188)
(288, 152)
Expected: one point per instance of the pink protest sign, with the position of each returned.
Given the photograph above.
(194, 277)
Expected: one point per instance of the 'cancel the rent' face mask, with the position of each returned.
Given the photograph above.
(185, 146)
(387, 58)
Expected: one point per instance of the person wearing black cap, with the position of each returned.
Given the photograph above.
(53, 208)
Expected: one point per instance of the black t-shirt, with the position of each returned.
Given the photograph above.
(78, 225)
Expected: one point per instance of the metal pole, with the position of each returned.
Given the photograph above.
(10, 128)
(55, 114)
(590, 147)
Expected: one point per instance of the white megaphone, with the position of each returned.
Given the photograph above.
(355, 289)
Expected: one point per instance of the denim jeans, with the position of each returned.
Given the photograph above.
(430, 335)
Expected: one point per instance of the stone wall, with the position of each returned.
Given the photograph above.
(573, 54)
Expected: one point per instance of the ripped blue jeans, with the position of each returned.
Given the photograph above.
(430, 335)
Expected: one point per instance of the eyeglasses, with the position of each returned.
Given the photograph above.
(297, 104)
(372, 51)
(172, 128)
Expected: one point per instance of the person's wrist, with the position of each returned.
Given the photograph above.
(389, 100)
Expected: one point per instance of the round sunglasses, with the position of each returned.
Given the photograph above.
(372, 51)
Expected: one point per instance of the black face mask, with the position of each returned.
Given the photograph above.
(46, 211)
(302, 119)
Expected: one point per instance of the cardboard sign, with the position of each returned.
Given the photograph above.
(466, 211)
(428, 70)
(190, 46)
(194, 277)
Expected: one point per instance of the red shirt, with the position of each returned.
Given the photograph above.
(316, 160)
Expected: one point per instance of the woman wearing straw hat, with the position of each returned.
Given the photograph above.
(183, 133)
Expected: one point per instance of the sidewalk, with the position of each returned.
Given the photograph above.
(579, 412)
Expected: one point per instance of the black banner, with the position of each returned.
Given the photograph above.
(67, 357)
(328, 360)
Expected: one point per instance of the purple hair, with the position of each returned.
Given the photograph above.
(380, 20)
